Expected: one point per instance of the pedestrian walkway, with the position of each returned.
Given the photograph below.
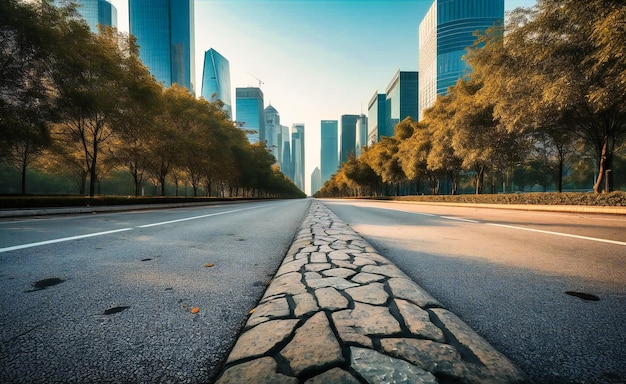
(339, 312)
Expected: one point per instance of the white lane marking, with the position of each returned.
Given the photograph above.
(559, 234)
(459, 219)
(30, 245)
(193, 218)
(60, 240)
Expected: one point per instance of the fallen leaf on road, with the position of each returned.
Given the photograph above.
(208, 265)
(195, 310)
(252, 311)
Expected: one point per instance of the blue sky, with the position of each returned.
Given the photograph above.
(317, 59)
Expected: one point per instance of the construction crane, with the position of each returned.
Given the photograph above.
(259, 80)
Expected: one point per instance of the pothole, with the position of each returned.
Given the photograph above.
(583, 295)
(45, 283)
(114, 310)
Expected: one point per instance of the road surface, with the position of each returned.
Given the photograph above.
(508, 273)
(111, 297)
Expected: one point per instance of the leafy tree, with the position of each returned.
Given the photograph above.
(562, 63)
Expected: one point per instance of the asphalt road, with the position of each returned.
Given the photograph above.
(506, 273)
(110, 297)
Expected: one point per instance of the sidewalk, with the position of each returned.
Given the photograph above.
(339, 312)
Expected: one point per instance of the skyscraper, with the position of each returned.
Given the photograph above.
(250, 116)
(361, 134)
(286, 164)
(316, 180)
(165, 34)
(376, 121)
(273, 131)
(444, 34)
(94, 12)
(216, 79)
(401, 100)
(348, 136)
(297, 154)
(329, 149)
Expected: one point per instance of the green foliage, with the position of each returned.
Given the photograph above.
(80, 107)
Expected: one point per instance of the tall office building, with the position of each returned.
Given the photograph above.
(250, 116)
(216, 79)
(444, 34)
(297, 154)
(316, 180)
(94, 12)
(402, 100)
(348, 136)
(165, 34)
(376, 120)
(329, 149)
(361, 134)
(273, 131)
(286, 164)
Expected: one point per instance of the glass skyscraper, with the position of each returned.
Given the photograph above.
(348, 136)
(94, 12)
(165, 34)
(273, 131)
(216, 79)
(401, 102)
(376, 118)
(329, 149)
(250, 113)
(297, 154)
(444, 34)
(361, 134)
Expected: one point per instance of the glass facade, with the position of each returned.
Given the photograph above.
(250, 116)
(94, 12)
(401, 102)
(376, 117)
(316, 180)
(165, 34)
(297, 154)
(329, 149)
(445, 32)
(285, 140)
(361, 134)
(273, 132)
(348, 136)
(216, 79)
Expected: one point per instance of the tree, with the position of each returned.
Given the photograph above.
(27, 41)
(562, 64)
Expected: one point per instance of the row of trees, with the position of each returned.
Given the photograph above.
(83, 105)
(549, 87)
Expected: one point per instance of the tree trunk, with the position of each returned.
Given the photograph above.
(605, 164)
(24, 167)
(479, 180)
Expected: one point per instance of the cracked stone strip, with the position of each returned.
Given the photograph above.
(339, 312)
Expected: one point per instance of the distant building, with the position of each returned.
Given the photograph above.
(95, 12)
(250, 116)
(273, 131)
(444, 33)
(402, 100)
(165, 34)
(297, 154)
(316, 180)
(348, 136)
(286, 163)
(361, 134)
(216, 79)
(329, 149)
(376, 120)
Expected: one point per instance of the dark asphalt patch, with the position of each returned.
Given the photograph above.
(115, 310)
(584, 296)
(45, 283)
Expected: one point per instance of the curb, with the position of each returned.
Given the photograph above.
(339, 312)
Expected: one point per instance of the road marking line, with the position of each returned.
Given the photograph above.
(559, 234)
(459, 219)
(30, 245)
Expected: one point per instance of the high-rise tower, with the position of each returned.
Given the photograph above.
(95, 12)
(165, 34)
(376, 120)
(444, 34)
(250, 116)
(216, 79)
(297, 154)
(401, 101)
(348, 136)
(329, 149)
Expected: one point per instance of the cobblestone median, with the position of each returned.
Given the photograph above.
(339, 312)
